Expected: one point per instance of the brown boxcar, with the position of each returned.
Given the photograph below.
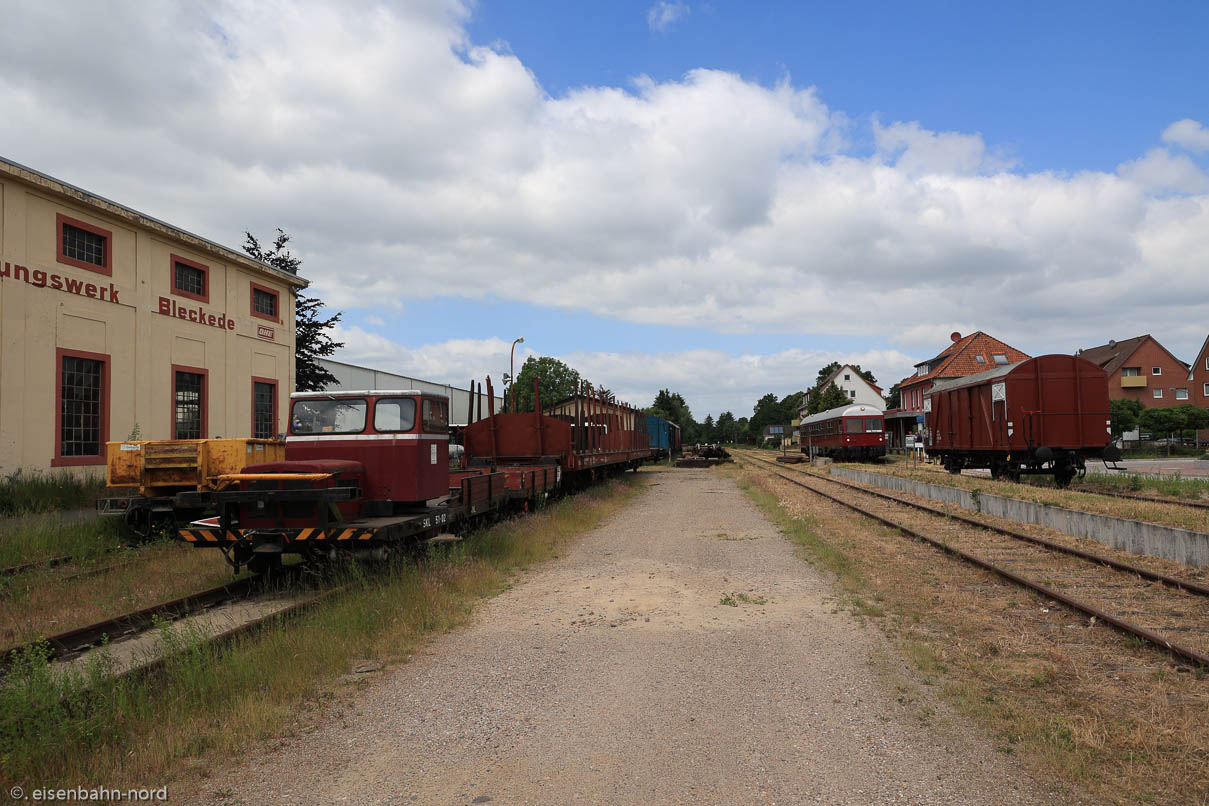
(1044, 415)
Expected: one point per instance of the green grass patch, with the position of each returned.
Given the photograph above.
(31, 538)
(207, 705)
(1175, 486)
(22, 493)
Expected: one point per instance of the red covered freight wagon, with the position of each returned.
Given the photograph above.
(1044, 415)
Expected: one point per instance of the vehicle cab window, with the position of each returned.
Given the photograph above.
(436, 417)
(394, 414)
(854, 425)
(328, 416)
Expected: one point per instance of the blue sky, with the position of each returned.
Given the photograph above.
(1061, 86)
(712, 197)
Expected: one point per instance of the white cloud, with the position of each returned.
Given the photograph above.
(665, 13)
(1189, 134)
(408, 161)
(1161, 171)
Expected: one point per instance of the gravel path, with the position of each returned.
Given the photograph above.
(615, 675)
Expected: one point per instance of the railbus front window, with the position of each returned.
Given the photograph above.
(328, 416)
(395, 414)
(854, 425)
(873, 425)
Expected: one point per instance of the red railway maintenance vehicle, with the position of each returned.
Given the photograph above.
(1045, 415)
(368, 472)
(854, 431)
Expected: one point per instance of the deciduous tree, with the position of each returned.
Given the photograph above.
(312, 339)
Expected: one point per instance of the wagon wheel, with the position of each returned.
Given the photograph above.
(953, 465)
(1063, 476)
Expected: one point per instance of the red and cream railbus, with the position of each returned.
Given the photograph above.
(855, 431)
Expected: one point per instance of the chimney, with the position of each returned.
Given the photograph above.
(955, 336)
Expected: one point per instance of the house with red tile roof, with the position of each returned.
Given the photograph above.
(1142, 369)
(1198, 383)
(965, 355)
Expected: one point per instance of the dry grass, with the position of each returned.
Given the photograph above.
(49, 602)
(1169, 513)
(1099, 714)
(209, 706)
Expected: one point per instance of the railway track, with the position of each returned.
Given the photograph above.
(1163, 610)
(14, 570)
(1146, 499)
(72, 644)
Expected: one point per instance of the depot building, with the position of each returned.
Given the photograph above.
(114, 326)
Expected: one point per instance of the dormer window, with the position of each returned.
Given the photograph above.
(1000, 358)
(980, 358)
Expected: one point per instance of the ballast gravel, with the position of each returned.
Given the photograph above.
(616, 674)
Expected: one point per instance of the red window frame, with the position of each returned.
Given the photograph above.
(59, 460)
(106, 269)
(272, 382)
(252, 302)
(193, 264)
(205, 398)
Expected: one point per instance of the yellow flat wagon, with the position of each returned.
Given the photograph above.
(154, 472)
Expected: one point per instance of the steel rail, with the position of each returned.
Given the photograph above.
(1154, 576)
(75, 642)
(13, 570)
(1143, 498)
(1174, 648)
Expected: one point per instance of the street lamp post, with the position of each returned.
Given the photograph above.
(512, 372)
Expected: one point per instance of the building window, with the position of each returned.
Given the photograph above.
(190, 279)
(847, 376)
(265, 302)
(1156, 370)
(188, 403)
(1158, 393)
(1205, 390)
(83, 245)
(1000, 358)
(82, 414)
(1207, 362)
(852, 394)
(980, 358)
(1131, 372)
(264, 408)
(1181, 394)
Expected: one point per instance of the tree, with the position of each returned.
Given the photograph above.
(894, 398)
(556, 380)
(1124, 414)
(312, 340)
(832, 397)
(728, 430)
(708, 431)
(1174, 421)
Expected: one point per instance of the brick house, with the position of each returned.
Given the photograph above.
(965, 355)
(1198, 383)
(1142, 369)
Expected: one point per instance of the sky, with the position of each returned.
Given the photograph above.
(713, 197)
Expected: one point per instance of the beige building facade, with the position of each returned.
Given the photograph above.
(113, 323)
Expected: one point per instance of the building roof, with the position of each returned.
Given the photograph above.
(1110, 357)
(855, 372)
(960, 358)
(121, 211)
